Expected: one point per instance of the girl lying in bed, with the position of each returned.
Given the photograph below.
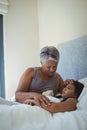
(69, 100)
(70, 93)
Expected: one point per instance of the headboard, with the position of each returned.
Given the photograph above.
(73, 59)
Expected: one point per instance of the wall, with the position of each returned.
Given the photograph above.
(21, 41)
(32, 24)
(61, 20)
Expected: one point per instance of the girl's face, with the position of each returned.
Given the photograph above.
(49, 67)
(69, 91)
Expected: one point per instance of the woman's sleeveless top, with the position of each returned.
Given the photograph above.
(38, 85)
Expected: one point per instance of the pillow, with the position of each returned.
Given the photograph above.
(82, 104)
(48, 93)
(84, 91)
(83, 80)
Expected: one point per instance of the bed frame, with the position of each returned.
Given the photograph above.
(73, 59)
(73, 64)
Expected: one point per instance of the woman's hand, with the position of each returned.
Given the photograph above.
(37, 99)
(69, 81)
(31, 102)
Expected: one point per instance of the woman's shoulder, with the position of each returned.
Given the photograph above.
(29, 71)
(32, 68)
(59, 76)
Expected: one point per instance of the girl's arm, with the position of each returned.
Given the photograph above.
(68, 105)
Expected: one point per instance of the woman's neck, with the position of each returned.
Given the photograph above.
(43, 75)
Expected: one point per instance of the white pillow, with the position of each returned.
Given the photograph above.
(84, 91)
(83, 80)
(82, 104)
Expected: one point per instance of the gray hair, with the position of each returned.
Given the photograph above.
(49, 53)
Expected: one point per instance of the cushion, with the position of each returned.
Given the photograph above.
(82, 104)
(73, 60)
(84, 91)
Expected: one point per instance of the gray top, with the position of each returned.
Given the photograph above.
(38, 85)
(65, 99)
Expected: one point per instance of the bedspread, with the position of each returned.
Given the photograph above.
(26, 117)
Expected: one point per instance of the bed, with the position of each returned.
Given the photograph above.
(25, 117)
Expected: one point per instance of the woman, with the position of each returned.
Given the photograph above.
(35, 81)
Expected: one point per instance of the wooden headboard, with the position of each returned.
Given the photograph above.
(73, 59)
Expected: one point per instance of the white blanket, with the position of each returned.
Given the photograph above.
(26, 117)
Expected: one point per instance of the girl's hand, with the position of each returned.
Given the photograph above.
(50, 108)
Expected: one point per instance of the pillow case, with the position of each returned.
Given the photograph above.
(82, 104)
(83, 80)
(84, 91)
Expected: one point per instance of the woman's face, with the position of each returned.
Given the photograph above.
(49, 67)
(69, 91)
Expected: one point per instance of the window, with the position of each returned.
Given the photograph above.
(2, 81)
(3, 11)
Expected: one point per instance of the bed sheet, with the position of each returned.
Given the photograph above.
(26, 117)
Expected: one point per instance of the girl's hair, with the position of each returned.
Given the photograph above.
(78, 87)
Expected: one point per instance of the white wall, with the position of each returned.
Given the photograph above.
(21, 41)
(32, 24)
(61, 20)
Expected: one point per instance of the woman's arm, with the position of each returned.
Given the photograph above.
(68, 105)
(60, 83)
(22, 93)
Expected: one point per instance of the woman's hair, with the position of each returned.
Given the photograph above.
(49, 53)
(78, 87)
